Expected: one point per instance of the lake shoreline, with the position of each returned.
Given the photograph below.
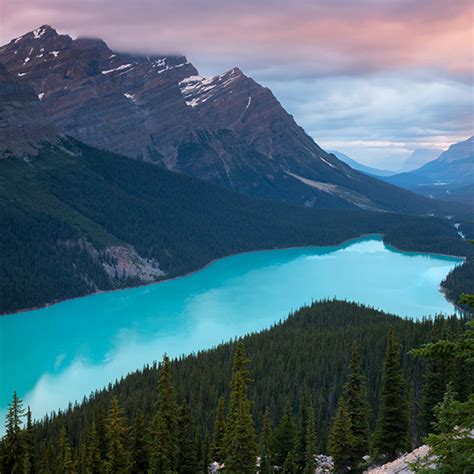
(187, 274)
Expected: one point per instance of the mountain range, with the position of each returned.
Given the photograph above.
(226, 129)
(420, 157)
(359, 166)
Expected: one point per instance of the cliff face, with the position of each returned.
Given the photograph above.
(23, 124)
(226, 129)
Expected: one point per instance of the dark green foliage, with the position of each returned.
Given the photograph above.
(310, 445)
(51, 206)
(285, 438)
(64, 461)
(93, 461)
(29, 457)
(266, 444)
(355, 395)
(240, 452)
(341, 439)
(391, 436)
(216, 451)
(187, 462)
(289, 466)
(164, 447)
(13, 452)
(117, 431)
(139, 444)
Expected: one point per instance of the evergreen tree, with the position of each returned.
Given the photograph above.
(302, 431)
(116, 429)
(93, 459)
(216, 451)
(341, 439)
(29, 462)
(64, 463)
(309, 466)
(266, 444)
(13, 445)
(187, 461)
(355, 396)
(241, 446)
(285, 436)
(391, 435)
(289, 466)
(139, 444)
(164, 449)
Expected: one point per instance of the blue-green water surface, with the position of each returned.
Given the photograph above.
(59, 354)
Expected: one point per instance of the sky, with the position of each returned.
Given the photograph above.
(375, 79)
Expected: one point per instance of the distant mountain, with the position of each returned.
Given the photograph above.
(453, 169)
(419, 158)
(359, 166)
(227, 129)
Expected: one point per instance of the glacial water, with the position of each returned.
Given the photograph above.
(61, 353)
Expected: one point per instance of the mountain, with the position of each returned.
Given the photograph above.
(23, 123)
(420, 157)
(359, 166)
(76, 220)
(453, 169)
(227, 129)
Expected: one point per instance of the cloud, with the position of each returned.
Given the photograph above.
(327, 61)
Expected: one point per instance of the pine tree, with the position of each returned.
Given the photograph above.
(13, 445)
(94, 463)
(309, 466)
(64, 463)
(216, 451)
(164, 450)
(29, 461)
(266, 444)
(187, 461)
(355, 396)
(302, 431)
(285, 436)
(139, 444)
(391, 434)
(240, 439)
(289, 466)
(341, 439)
(116, 430)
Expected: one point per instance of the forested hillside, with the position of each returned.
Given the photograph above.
(295, 376)
(76, 220)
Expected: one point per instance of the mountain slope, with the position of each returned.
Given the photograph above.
(454, 168)
(227, 129)
(359, 166)
(420, 157)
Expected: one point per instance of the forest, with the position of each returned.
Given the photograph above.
(334, 378)
(60, 212)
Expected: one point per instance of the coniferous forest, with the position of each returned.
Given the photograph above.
(60, 213)
(335, 378)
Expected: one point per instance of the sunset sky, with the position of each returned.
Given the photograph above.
(375, 79)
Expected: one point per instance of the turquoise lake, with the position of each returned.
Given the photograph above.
(61, 353)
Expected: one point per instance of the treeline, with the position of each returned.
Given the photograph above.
(74, 193)
(334, 378)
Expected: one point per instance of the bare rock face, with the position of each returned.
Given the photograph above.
(227, 129)
(24, 127)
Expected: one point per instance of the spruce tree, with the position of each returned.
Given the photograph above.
(164, 448)
(116, 429)
(391, 436)
(139, 444)
(284, 439)
(240, 439)
(289, 466)
(309, 466)
(94, 463)
(302, 431)
(187, 460)
(64, 460)
(266, 444)
(216, 451)
(341, 439)
(13, 445)
(355, 396)
(29, 462)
